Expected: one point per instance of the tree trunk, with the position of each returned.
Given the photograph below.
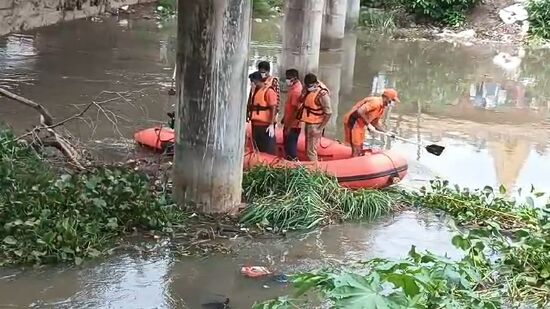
(334, 24)
(302, 35)
(213, 39)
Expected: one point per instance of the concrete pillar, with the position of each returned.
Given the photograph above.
(330, 73)
(302, 35)
(213, 40)
(352, 14)
(334, 24)
(348, 62)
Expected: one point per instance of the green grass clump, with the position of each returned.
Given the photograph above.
(539, 17)
(298, 198)
(378, 19)
(47, 216)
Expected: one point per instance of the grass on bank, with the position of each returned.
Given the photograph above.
(506, 262)
(297, 199)
(47, 216)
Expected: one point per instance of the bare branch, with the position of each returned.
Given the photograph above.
(48, 119)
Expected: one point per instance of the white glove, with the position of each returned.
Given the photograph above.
(371, 128)
(270, 130)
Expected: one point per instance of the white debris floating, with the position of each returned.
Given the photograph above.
(513, 13)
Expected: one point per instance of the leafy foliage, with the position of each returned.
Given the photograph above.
(539, 18)
(46, 217)
(265, 8)
(447, 12)
(298, 198)
(506, 261)
(474, 207)
(419, 281)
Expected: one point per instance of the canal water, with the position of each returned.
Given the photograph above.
(489, 106)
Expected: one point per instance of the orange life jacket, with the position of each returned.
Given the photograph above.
(269, 82)
(311, 110)
(260, 110)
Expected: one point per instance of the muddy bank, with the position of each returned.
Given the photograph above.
(484, 24)
(25, 15)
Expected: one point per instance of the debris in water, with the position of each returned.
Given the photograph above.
(217, 305)
(281, 278)
(255, 271)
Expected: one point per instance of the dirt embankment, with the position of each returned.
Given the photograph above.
(484, 25)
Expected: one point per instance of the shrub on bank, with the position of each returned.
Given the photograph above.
(539, 18)
(260, 8)
(447, 13)
(48, 217)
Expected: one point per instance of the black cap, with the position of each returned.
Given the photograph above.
(255, 76)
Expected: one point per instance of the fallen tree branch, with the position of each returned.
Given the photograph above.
(48, 119)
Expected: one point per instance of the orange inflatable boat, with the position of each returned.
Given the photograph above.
(376, 169)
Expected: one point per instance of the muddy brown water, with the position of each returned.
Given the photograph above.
(492, 116)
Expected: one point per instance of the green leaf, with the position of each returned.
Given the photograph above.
(112, 223)
(10, 240)
(406, 282)
(99, 202)
(461, 242)
(356, 292)
(502, 189)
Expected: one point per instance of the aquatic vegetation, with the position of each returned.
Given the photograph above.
(506, 261)
(474, 207)
(298, 198)
(422, 280)
(49, 216)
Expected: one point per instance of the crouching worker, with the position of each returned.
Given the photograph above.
(366, 114)
(263, 114)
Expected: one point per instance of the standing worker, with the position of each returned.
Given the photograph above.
(264, 69)
(315, 112)
(366, 113)
(290, 121)
(263, 114)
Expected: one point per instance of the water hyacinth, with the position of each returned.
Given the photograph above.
(47, 216)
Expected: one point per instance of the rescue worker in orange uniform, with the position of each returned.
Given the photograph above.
(291, 125)
(263, 114)
(315, 112)
(264, 68)
(366, 114)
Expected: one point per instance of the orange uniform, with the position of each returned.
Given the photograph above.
(261, 112)
(291, 105)
(371, 108)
